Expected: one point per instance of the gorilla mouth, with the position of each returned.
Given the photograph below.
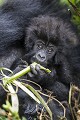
(43, 63)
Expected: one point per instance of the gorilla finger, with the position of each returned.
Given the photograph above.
(33, 70)
(38, 69)
(30, 75)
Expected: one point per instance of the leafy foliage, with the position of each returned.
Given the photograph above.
(74, 7)
(14, 108)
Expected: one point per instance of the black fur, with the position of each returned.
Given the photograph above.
(51, 31)
(22, 24)
(15, 15)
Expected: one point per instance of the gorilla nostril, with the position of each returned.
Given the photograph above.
(41, 57)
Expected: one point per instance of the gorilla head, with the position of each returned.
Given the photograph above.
(47, 38)
(49, 41)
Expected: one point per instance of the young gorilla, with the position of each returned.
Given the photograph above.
(50, 42)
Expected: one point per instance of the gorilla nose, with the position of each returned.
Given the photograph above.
(41, 57)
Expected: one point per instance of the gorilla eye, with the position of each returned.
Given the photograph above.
(40, 46)
(50, 50)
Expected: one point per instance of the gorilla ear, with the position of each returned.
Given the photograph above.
(74, 41)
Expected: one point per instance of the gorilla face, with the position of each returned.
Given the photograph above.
(43, 53)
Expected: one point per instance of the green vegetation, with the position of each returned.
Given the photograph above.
(74, 7)
(2, 2)
(13, 107)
